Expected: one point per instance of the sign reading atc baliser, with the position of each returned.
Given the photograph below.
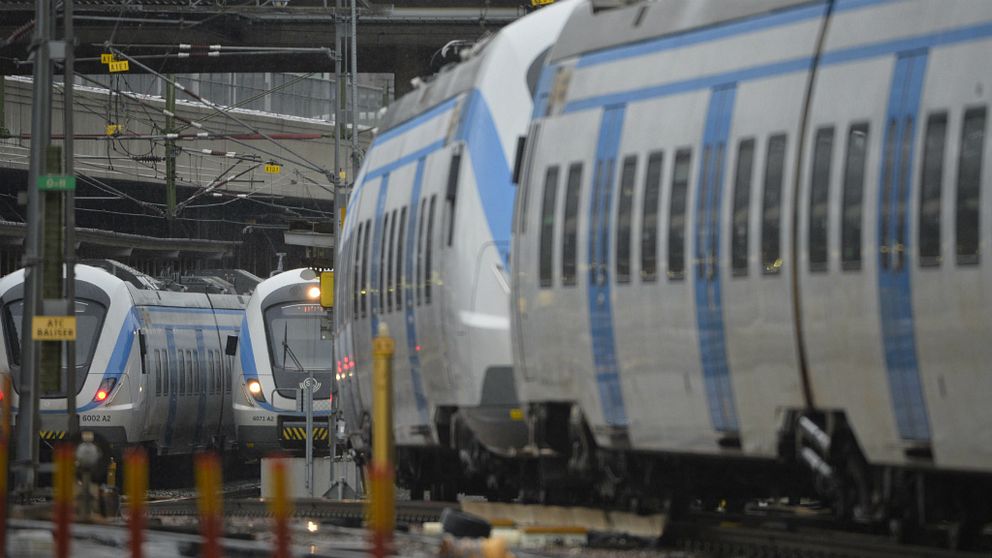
(53, 328)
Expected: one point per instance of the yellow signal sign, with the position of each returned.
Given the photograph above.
(273, 168)
(327, 289)
(113, 129)
(106, 58)
(53, 328)
(118, 66)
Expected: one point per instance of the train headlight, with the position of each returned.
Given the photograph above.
(313, 292)
(255, 390)
(103, 391)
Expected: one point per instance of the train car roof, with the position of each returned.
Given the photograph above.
(602, 24)
(144, 297)
(291, 277)
(463, 76)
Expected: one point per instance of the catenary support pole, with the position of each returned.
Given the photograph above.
(356, 160)
(170, 150)
(26, 437)
(68, 77)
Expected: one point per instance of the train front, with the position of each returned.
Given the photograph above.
(106, 353)
(285, 340)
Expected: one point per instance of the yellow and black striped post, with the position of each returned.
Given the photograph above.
(382, 513)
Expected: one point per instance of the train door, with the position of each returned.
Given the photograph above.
(861, 157)
(407, 270)
(706, 271)
(947, 228)
(606, 370)
(755, 283)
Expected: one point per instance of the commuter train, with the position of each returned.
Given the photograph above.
(281, 342)
(150, 366)
(425, 251)
(746, 255)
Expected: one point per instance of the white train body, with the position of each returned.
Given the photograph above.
(280, 345)
(425, 247)
(777, 207)
(150, 364)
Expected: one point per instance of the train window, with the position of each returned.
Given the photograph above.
(625, 209)
(400, 276)
(158, 371)
(570, 234)
(649, 218)
(365, 268)
(381, 284)
(421, 217)
(970, 186)
(225, 373)
(931, 183)
(676, 215)
(390, 286)
(547, 230)
(182, 373)
(356, 287)
(742, 207)
(190, 377)
(819, 196)
(854, 182)
(771, 206)
(452, 192)
(429, 251)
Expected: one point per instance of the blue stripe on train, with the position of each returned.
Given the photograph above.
(981, 31)
(894, 289)
(490, 167)
(600, 307)
(706, 277)
(411, 322)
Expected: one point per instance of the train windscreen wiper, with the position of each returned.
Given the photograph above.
(286, 350)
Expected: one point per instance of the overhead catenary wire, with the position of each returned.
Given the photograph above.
(199, 126)
(209, 104)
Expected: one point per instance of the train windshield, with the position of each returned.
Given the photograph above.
(89, 319)
(295, 340)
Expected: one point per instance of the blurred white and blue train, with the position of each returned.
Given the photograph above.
(281, 343)
(425, 250)
(748, 240)
(150, 366)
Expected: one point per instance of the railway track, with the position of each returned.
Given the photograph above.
(315, 508)
(731, 538)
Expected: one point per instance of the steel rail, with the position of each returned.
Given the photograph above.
(730, 538)
(313, 508)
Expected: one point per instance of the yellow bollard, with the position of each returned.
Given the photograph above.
(136, 487)
(382, 513)
(64, 491)
(209, 501)
(280, 507)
